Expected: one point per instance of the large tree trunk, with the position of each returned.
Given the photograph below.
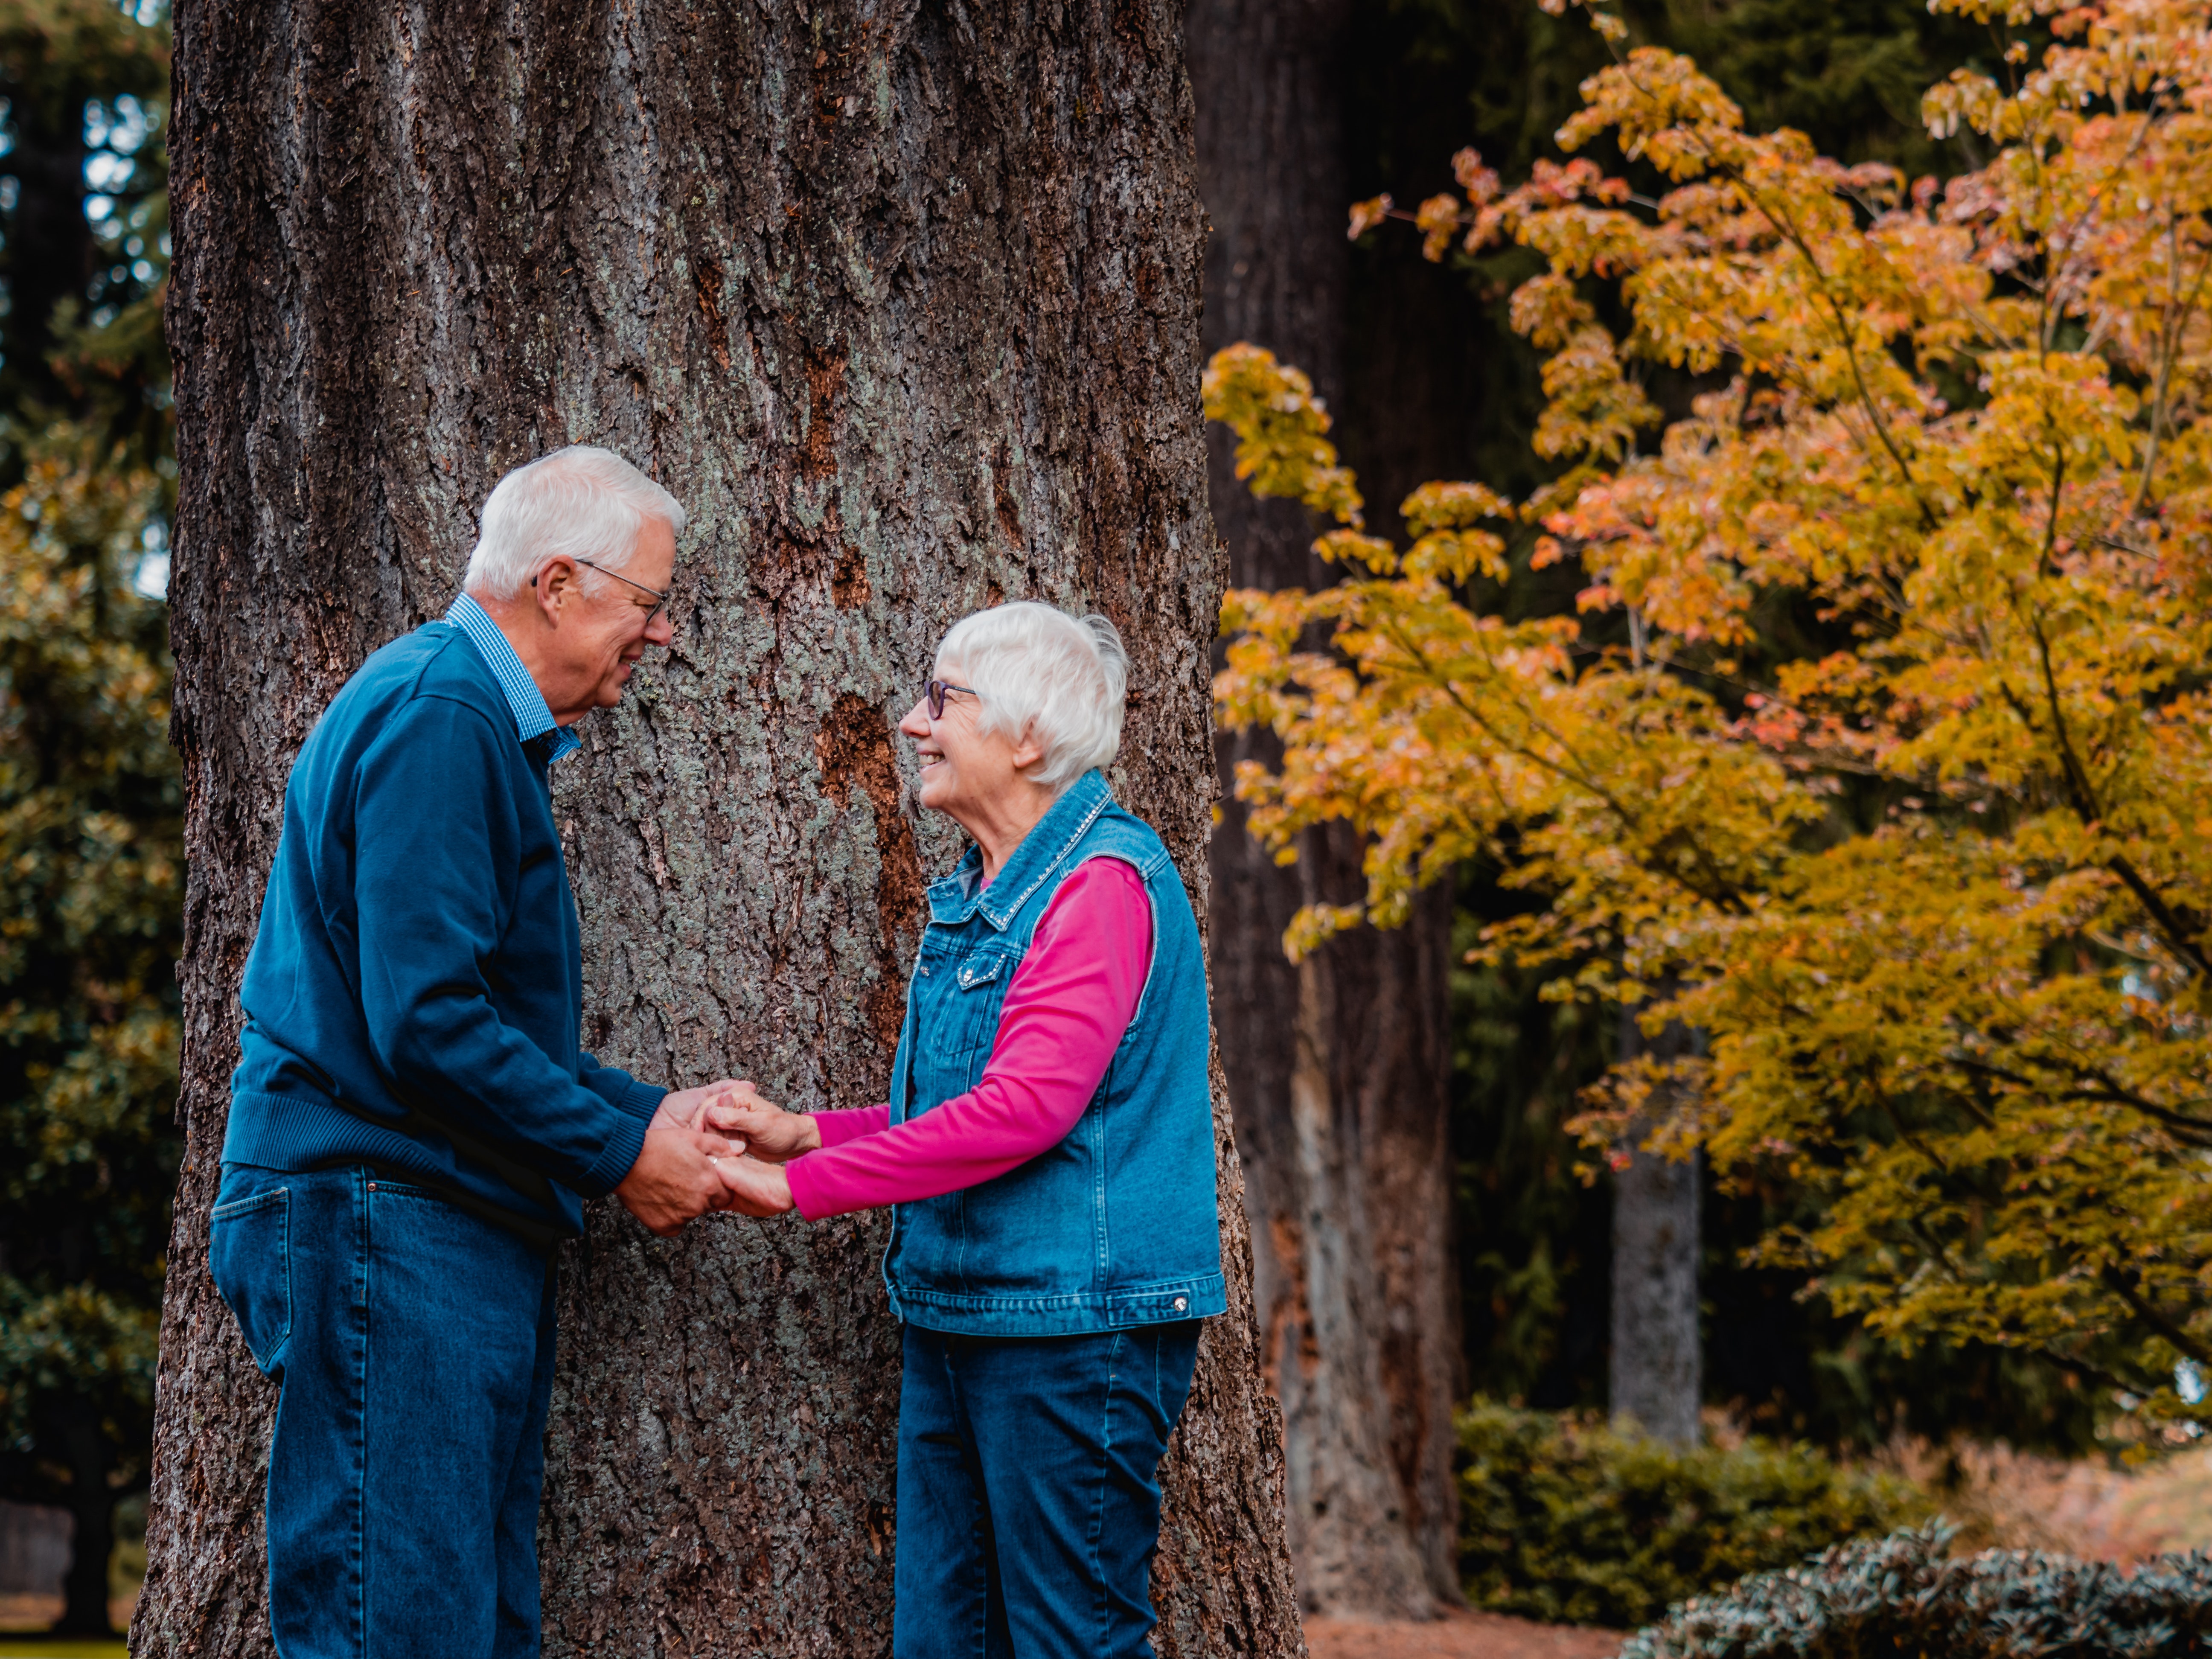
(1337, 1067)
(902, 302)
(1655, 1372)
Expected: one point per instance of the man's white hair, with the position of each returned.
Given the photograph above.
(1061, 679)
(581, 503)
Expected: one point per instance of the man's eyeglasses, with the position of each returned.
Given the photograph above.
(660, 600)
(936, 692)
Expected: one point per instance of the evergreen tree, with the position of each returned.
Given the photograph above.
(90, 800)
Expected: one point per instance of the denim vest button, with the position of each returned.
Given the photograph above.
(1181, 1302)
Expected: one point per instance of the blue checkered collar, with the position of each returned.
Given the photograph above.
(533, 719)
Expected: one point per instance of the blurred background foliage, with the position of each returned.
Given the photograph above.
(91, 861)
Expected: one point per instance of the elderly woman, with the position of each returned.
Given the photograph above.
(1047, 1153)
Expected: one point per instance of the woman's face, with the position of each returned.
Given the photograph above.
(965, 772)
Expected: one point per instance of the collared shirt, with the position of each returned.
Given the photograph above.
(533, 718)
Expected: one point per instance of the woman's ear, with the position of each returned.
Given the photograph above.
(1029, 753)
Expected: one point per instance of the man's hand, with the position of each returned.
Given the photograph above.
(681, 1107)
(675, 1178)
(755, 1188)
(762, 1127)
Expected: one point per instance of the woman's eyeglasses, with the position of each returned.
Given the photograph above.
(936, 692)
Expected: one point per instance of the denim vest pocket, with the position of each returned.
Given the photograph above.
(250, 1258)
(960, 1021)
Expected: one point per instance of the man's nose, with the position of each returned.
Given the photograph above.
(661, 631)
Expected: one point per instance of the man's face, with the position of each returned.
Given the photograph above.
(602, 627)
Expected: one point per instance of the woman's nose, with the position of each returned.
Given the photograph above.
(916, 723)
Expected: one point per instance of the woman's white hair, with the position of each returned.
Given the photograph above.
(1060, 679)
(581, 503)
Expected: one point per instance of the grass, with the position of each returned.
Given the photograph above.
(21, 1647)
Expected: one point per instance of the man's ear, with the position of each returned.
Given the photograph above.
(553, 586)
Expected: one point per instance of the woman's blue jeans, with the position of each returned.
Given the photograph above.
(1029, 1506)
(415, 1346)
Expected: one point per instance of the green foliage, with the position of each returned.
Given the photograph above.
(91, 855)
(91, 875)
(1902, 1597)
(85, 85)
(1562, 1518)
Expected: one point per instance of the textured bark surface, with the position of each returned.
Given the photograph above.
(1337, 1069)
(902, 301)
(1656, 1369)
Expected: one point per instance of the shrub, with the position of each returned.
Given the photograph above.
(1902, 1597)
(1564, 1519)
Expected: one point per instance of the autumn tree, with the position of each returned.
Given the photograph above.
(1894, 792)
(903, 306)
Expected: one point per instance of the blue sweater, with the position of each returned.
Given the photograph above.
(414, 992)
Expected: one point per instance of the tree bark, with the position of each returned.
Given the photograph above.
(902, 302)
(1338, 1066)
(1655, 1371)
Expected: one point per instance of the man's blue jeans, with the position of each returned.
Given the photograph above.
(415, 1346)
(1029, 1506)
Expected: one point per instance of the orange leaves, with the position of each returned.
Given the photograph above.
(1883, 729)
(1437, 220)
(1282, 448)
(1547, 309)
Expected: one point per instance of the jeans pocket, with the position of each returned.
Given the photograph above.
(250, 1256)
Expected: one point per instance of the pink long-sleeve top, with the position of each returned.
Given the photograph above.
(1065, 1013)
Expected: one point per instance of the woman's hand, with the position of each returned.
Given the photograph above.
(754, 1187)
(762, 1127)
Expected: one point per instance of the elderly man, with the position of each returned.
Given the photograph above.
(413, 1125)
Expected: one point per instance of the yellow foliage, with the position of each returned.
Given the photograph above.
(1900, 788)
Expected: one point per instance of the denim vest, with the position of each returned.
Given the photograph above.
(1115, 1226)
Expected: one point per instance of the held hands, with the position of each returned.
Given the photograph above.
(674, 1178)
(772, 1137)
(768, 1132)
(715, 1147)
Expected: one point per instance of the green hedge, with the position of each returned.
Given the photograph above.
(1903, 1597)
(1563, 1519)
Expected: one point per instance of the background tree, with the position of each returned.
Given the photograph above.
(903, 305)
(90, 860)
(1337, 1067)
(1895, 783)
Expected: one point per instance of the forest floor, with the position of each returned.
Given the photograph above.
(1997, 1497)
(1458, 1635)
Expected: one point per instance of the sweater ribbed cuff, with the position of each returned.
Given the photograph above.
(642, 1099)
(623, 1148)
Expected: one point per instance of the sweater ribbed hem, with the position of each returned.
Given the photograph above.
(299, 1132)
